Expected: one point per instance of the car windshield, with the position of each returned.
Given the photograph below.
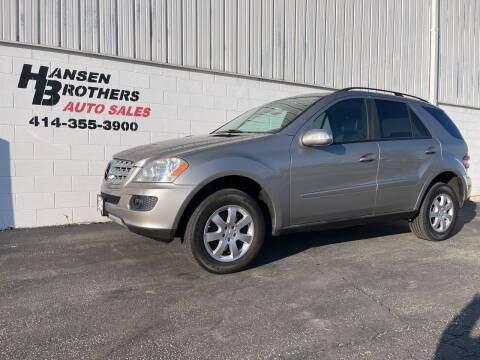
(271, 117)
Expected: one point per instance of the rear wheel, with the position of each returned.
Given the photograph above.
(225, 232)
(438, 214)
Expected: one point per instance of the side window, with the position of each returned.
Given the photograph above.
(419, 130)
(393, 119)
(445, 121)
(345, 120)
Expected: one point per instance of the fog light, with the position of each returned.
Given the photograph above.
(142, 203)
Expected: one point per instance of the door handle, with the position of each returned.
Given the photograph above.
(430, 150)
(368, 158)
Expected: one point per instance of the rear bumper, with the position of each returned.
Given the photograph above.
(468, 187)
(158, 223)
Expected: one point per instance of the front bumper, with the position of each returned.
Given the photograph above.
(160, 222)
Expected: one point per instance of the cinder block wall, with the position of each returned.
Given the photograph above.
(51, 175)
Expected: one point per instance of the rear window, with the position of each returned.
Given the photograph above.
(445, 121)
(393, 119)
(419, 130)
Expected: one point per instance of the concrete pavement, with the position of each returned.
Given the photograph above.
(369, 292)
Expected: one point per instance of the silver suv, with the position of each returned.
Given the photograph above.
(298, 163)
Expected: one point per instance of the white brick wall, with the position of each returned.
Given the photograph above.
(51, 176)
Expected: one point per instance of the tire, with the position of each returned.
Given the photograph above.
(426, 227)
(222, 245)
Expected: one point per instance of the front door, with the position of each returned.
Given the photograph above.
(336, 181)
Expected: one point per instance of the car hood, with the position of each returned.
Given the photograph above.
(180, 146)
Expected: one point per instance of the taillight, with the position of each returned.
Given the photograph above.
(466, 161)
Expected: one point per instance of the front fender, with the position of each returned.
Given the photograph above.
(273, 180)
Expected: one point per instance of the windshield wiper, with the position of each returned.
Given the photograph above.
(231, 131)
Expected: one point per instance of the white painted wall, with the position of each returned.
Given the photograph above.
(50, 176)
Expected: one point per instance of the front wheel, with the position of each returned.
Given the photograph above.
(225, 232)
(438, 214)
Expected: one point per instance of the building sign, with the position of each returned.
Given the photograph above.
(52, 85)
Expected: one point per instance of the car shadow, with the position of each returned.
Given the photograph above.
(457, 341)
(280, 247)
(467, 214)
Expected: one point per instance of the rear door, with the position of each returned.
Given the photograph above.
(336, 181)
(407, 151)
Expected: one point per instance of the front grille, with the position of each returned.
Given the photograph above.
(112, 199)
(117, 171)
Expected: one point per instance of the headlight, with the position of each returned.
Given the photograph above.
(164, 170)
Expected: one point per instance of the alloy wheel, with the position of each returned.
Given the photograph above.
(441, 213)
(228, 233)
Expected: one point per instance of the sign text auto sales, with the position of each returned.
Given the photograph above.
(51, 85)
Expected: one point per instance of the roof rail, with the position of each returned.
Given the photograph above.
(396, 93)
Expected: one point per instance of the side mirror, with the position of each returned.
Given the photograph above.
(317, 137)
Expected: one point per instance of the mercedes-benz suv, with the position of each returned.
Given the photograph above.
(351, 156)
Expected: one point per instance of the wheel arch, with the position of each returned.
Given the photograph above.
(234, 181)
(450, 177)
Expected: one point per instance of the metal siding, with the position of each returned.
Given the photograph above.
(329, 46)
(203, 35)
(125, 24)
(348, 59)
(70, 24)
(461, 53)
(459, 48)
(189, 32)
(255, 38)
(243, 37)
(267, 38)
(217, 35)
(50, 22)
(476, 59)
(373, 65)
(339, 47)
(28, 21)
(412, 26)
(356, 58)
(330, 43)
(467, 54)
(159, 30)
(143, 46)
(416, 50)
(89, 21)
(424, 21)
(300, 42)
(174, 32)
(470, 88)
(290, 24)
(231, 35)
(8, 20)
(320, 31)
(278, 39)
(310, 41)
(108, 27)
(366, 39)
